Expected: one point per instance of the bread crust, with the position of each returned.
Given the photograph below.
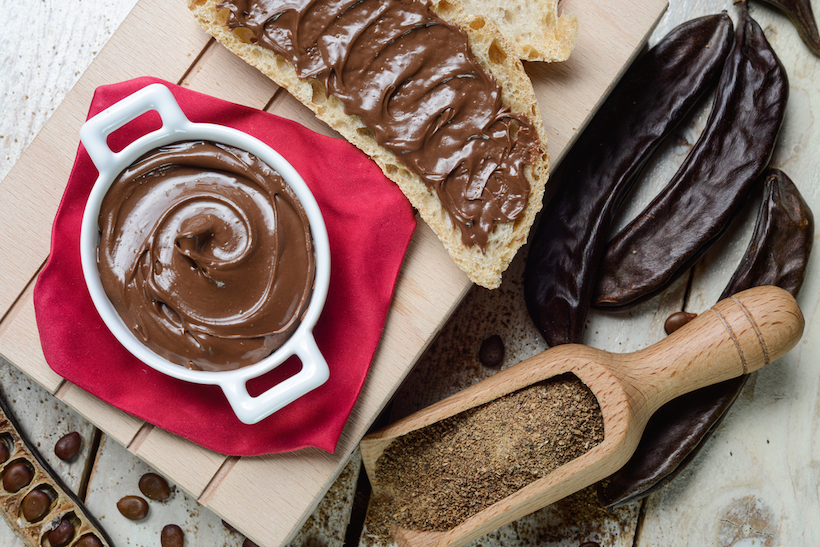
(494, 54)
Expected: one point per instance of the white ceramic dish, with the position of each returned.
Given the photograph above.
(175, 128)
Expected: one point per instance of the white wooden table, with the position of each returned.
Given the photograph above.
(755, 483)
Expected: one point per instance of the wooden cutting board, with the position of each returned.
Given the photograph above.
(268, 498)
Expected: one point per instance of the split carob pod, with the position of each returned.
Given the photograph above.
(736, 336)
(777, 254)
(651, 99)
(711, 185)
(39, 507)
(802, 17)
(781, 243)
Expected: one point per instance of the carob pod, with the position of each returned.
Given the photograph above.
(65, 511)
(651, 99)
(781, 242)
(802, 17)
(778, 254)
(713, 182)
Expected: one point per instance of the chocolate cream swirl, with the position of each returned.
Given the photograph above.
(206, 254)
(413, 80)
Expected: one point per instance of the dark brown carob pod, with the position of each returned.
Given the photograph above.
(647, 104)
(713, 182)
(781, 242)
(802, 17)
(778, 254)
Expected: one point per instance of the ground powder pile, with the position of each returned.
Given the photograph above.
(436, 477)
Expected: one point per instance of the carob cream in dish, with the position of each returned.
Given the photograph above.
(206, 254)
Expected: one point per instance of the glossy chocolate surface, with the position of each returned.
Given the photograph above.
(206, 254)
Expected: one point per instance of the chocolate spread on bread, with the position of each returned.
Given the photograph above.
(206, 254)
(412, 78)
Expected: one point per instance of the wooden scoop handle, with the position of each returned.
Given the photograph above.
(736, 336)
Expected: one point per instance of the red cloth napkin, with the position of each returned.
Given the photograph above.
(369, 223)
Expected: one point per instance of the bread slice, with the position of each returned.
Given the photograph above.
(495, 55)
(533, 26)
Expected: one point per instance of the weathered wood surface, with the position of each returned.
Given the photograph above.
(755, 480)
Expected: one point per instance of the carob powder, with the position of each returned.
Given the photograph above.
(435, 478)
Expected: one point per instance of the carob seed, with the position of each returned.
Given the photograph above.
(677, 320)
(133, 507)
(249, 543)
(89, 541)
(491, 352)
(62, 535)
(68, 446)
(17, 476)
(35, 505)
(154, 487)
(4, 452)
(172, 536)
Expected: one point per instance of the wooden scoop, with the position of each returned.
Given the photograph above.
(737, 336)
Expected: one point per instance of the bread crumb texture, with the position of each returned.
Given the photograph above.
(494, 53)
(534, 27)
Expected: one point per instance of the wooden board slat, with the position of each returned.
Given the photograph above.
(429, 288)
(280, 484)
(20, 343)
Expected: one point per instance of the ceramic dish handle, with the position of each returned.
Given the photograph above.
(154, 97)
(313, 374)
